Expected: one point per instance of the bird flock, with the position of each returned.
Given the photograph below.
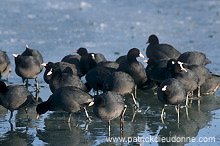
(176, 77)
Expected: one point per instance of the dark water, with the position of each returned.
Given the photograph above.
(56, 28)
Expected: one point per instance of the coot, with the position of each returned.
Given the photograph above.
(211, 84)
(27, 67)
(108, 64)
(187, 77)
(134, 68)
(14, 97)
(201, 72)
(73, 59)
(195, 58)
(96, 77)
(70, 99)
(160, 51)
(121, 58)
(122, 83)
(157, 70)
(108, 106)
(62, 65)
(65, 78)
(171, 92)
(5, 64)
(98, 57)
(89, 60)
(33, 52)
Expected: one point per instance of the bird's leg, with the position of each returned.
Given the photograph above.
(176, 108)
(69, 126)
(70, 114)
(26, 111)
(178, 113)
(11, 125)
(187, 100)
(199, 92)
(25, 82)
(162, 114)
(134, 114)
(187, 112)
(86, 127)
(122, 117)
(109, 128)
(199, 105)
(36, 84)
(11, 115)
(135, 91)
(123, 112)
(36, 96)
(9, 73)
(135, 102)
(87, 115)
(134, 97)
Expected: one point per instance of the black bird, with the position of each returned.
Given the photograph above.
(194, 58)
(122, 83)
(5, 65)
(108, 64)
(89, 60)
(96, 77)
(62, 65)
(211, 84)
(157, 70)
(108, 106)
(187, 77)
(171, 92)
(73, 59)
(27, 67)
(99, 57)
(65, 78)
(121, 58)
(69, 99)
(134, 68)
(160, 51)
(201, 72)
(81, 51)
(33, 52)
(15, 97)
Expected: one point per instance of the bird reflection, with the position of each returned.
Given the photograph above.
(55, 132)
(17, 135)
